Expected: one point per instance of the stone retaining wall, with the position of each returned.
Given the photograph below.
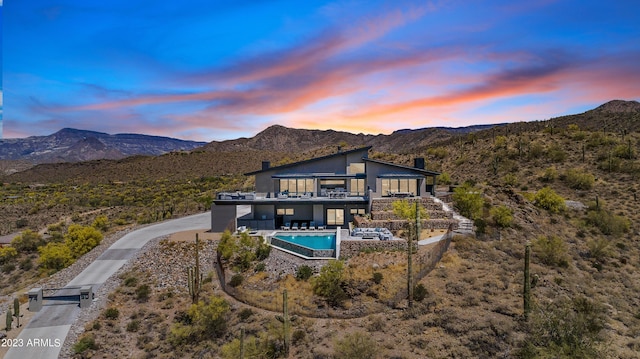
(389, 215)
(395, 225)
(350, 248)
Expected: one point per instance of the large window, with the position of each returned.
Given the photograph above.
(357, 187)
(285, 211)
(297, 185)
(359, 211)
(335, 217)
(395, 185)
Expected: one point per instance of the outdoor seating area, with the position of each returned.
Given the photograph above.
(382, 234)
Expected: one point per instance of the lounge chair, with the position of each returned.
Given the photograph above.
(312, 225)
(320, 227)
(294, 227)
(287, 226)
(304, 226)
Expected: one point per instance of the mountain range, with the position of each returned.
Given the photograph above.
(72, 145)
(277, 142)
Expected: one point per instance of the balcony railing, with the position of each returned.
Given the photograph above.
(285, 195)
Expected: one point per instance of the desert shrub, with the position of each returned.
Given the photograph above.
(549, 175)
(438, 152)
(548, 199)
(555, 153)
(22, 222)
(245, 313)
(608, 223)
(599, 249)
(444, 178)
(260, 267)
(8, 267)
(536, 150)
(86, 342)
(111, 313)
(236, 280)
(7, 254)
(131, 281)
(82, 239)
(243, 259)
(510, 179)
(577, 179)
(329, 283)
(377, 277)
(227, 245)
(298, 336)
(551, 250)
(55, 256)
(566, 329)
(203, 321)
(142, 293)
(262, 251)
(419, 292)
(502, 216)
(26, 264)
(28, 241)
(624, 151)
(101, 223)
(356, 345)
(376, 324)
(468, 200)
(253, 348)
(133, 326)
(304, 272)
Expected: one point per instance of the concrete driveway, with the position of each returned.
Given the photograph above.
(46, 332)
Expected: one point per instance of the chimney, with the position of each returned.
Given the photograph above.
(418, 163)
(266, 165)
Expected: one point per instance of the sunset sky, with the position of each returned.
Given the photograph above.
(214, 70)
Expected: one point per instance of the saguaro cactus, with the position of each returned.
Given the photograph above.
(194, 278)
(527, 282)
(286, 322)
(16, 311)
(9, 319)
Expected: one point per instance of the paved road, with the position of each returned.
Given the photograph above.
(42, 338)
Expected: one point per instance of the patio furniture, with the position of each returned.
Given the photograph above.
(320, 227)
(304, 226)
(287, 226)
(312, 225)
(294, 227)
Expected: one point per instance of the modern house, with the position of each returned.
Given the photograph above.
(326, 191)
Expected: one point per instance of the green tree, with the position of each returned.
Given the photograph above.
(468, 200)
(55, 256)
(548, 199)
(82, 239)
(329, 283)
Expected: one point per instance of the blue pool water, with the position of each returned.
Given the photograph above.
(314, 241)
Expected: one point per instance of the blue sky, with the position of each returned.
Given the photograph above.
(213, 70)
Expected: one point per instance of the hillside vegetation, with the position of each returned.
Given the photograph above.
(568, 186)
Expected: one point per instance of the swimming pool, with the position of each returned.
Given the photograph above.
(308, 245)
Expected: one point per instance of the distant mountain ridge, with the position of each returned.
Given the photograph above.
(73, 145)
